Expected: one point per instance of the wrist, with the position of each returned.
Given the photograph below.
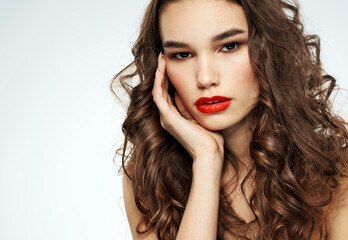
(208, 165)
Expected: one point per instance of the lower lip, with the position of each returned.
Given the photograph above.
(213, 108)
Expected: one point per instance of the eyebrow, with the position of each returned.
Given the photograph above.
(230, 33)
(227, 34)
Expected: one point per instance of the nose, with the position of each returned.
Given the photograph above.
(206, 73)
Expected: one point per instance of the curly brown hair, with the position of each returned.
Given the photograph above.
(298, 146)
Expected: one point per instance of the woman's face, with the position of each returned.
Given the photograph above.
(206, 49)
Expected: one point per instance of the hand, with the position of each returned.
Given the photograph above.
(198, 141)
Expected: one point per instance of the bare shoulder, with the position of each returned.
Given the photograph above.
(133, 214)
(337, 216)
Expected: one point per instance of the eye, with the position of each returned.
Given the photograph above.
(181, 55)
(230, 47)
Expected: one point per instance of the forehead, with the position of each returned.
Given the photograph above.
(187, 19)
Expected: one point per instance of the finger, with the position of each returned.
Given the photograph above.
(166, 91)
(162, 70)
(158, 91)
(182, 109)
(161, 64)
(165, 84)
(166, 81)
(161, 86)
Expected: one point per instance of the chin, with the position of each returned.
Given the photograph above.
(216, 125)
(218, 122)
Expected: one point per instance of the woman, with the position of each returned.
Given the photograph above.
(231, 130)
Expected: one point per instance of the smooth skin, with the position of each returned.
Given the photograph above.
(205, 54)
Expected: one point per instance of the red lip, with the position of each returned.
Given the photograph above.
(222, 103)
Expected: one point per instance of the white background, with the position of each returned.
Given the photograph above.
(59, 123)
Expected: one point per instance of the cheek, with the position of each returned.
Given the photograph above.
(251, 90)
(178, 78)
(253, 83)
(247, 81)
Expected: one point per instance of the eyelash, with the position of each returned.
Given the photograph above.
(235, 47)
(178, 56)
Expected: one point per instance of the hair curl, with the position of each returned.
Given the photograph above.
(298, 145)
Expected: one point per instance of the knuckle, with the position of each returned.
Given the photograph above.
(155, 98)
(163, 125)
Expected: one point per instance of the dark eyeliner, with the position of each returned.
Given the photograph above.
(236, 45)
(174, 56)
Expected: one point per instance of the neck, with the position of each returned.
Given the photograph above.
(237, 138)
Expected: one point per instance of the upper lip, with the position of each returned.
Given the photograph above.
(203, 100)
